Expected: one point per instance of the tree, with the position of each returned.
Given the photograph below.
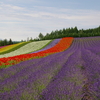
(10, 41)
(5, 42)
(41, 36)
(1, 43)
(22, 40)
(36, 39)
(75, 29)
(31, 39)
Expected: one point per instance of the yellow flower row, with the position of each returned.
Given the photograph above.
(10, 47)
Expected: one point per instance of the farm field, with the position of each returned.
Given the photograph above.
(29, 47)
(62, 45)
(9, 48)
(66, 69)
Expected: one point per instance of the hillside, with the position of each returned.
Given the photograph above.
(64, 69)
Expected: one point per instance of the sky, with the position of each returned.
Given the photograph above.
(20, 19)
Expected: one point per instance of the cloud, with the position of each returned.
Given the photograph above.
(9, 6)
(47, 12)
(22, 22)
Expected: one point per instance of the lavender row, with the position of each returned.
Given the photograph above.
(92, 67)
(46, 72)
(62, 76)
(81, 80)
(7, 82)
(17, 68)
(45, 61)
(49, 60)
(65, 84)
(93, 45)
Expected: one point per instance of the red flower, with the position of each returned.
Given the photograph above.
(61, 46)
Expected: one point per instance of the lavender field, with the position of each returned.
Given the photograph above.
(73, 74)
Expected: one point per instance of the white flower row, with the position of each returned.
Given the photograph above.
(30, 47)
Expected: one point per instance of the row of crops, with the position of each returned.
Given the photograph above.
(32, 46)
(66, 69)
(63, 44)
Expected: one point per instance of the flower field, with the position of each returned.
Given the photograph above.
(6, 48)
(53, 43)
(32, 46)
(63, 44)
(66, 69)
(10, 48)
(2, 46)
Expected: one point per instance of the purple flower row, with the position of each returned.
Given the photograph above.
(73, 74)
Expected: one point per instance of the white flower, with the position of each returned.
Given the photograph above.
(30, 47)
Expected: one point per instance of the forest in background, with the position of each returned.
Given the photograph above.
(6, 42)
(70, 32)
(65, 32)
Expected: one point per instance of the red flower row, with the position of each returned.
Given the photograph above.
(61, 46)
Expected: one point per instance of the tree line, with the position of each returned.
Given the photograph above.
(6, 42)
(70, 32)
(65, 32)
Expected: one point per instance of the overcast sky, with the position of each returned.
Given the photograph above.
(20, 19)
